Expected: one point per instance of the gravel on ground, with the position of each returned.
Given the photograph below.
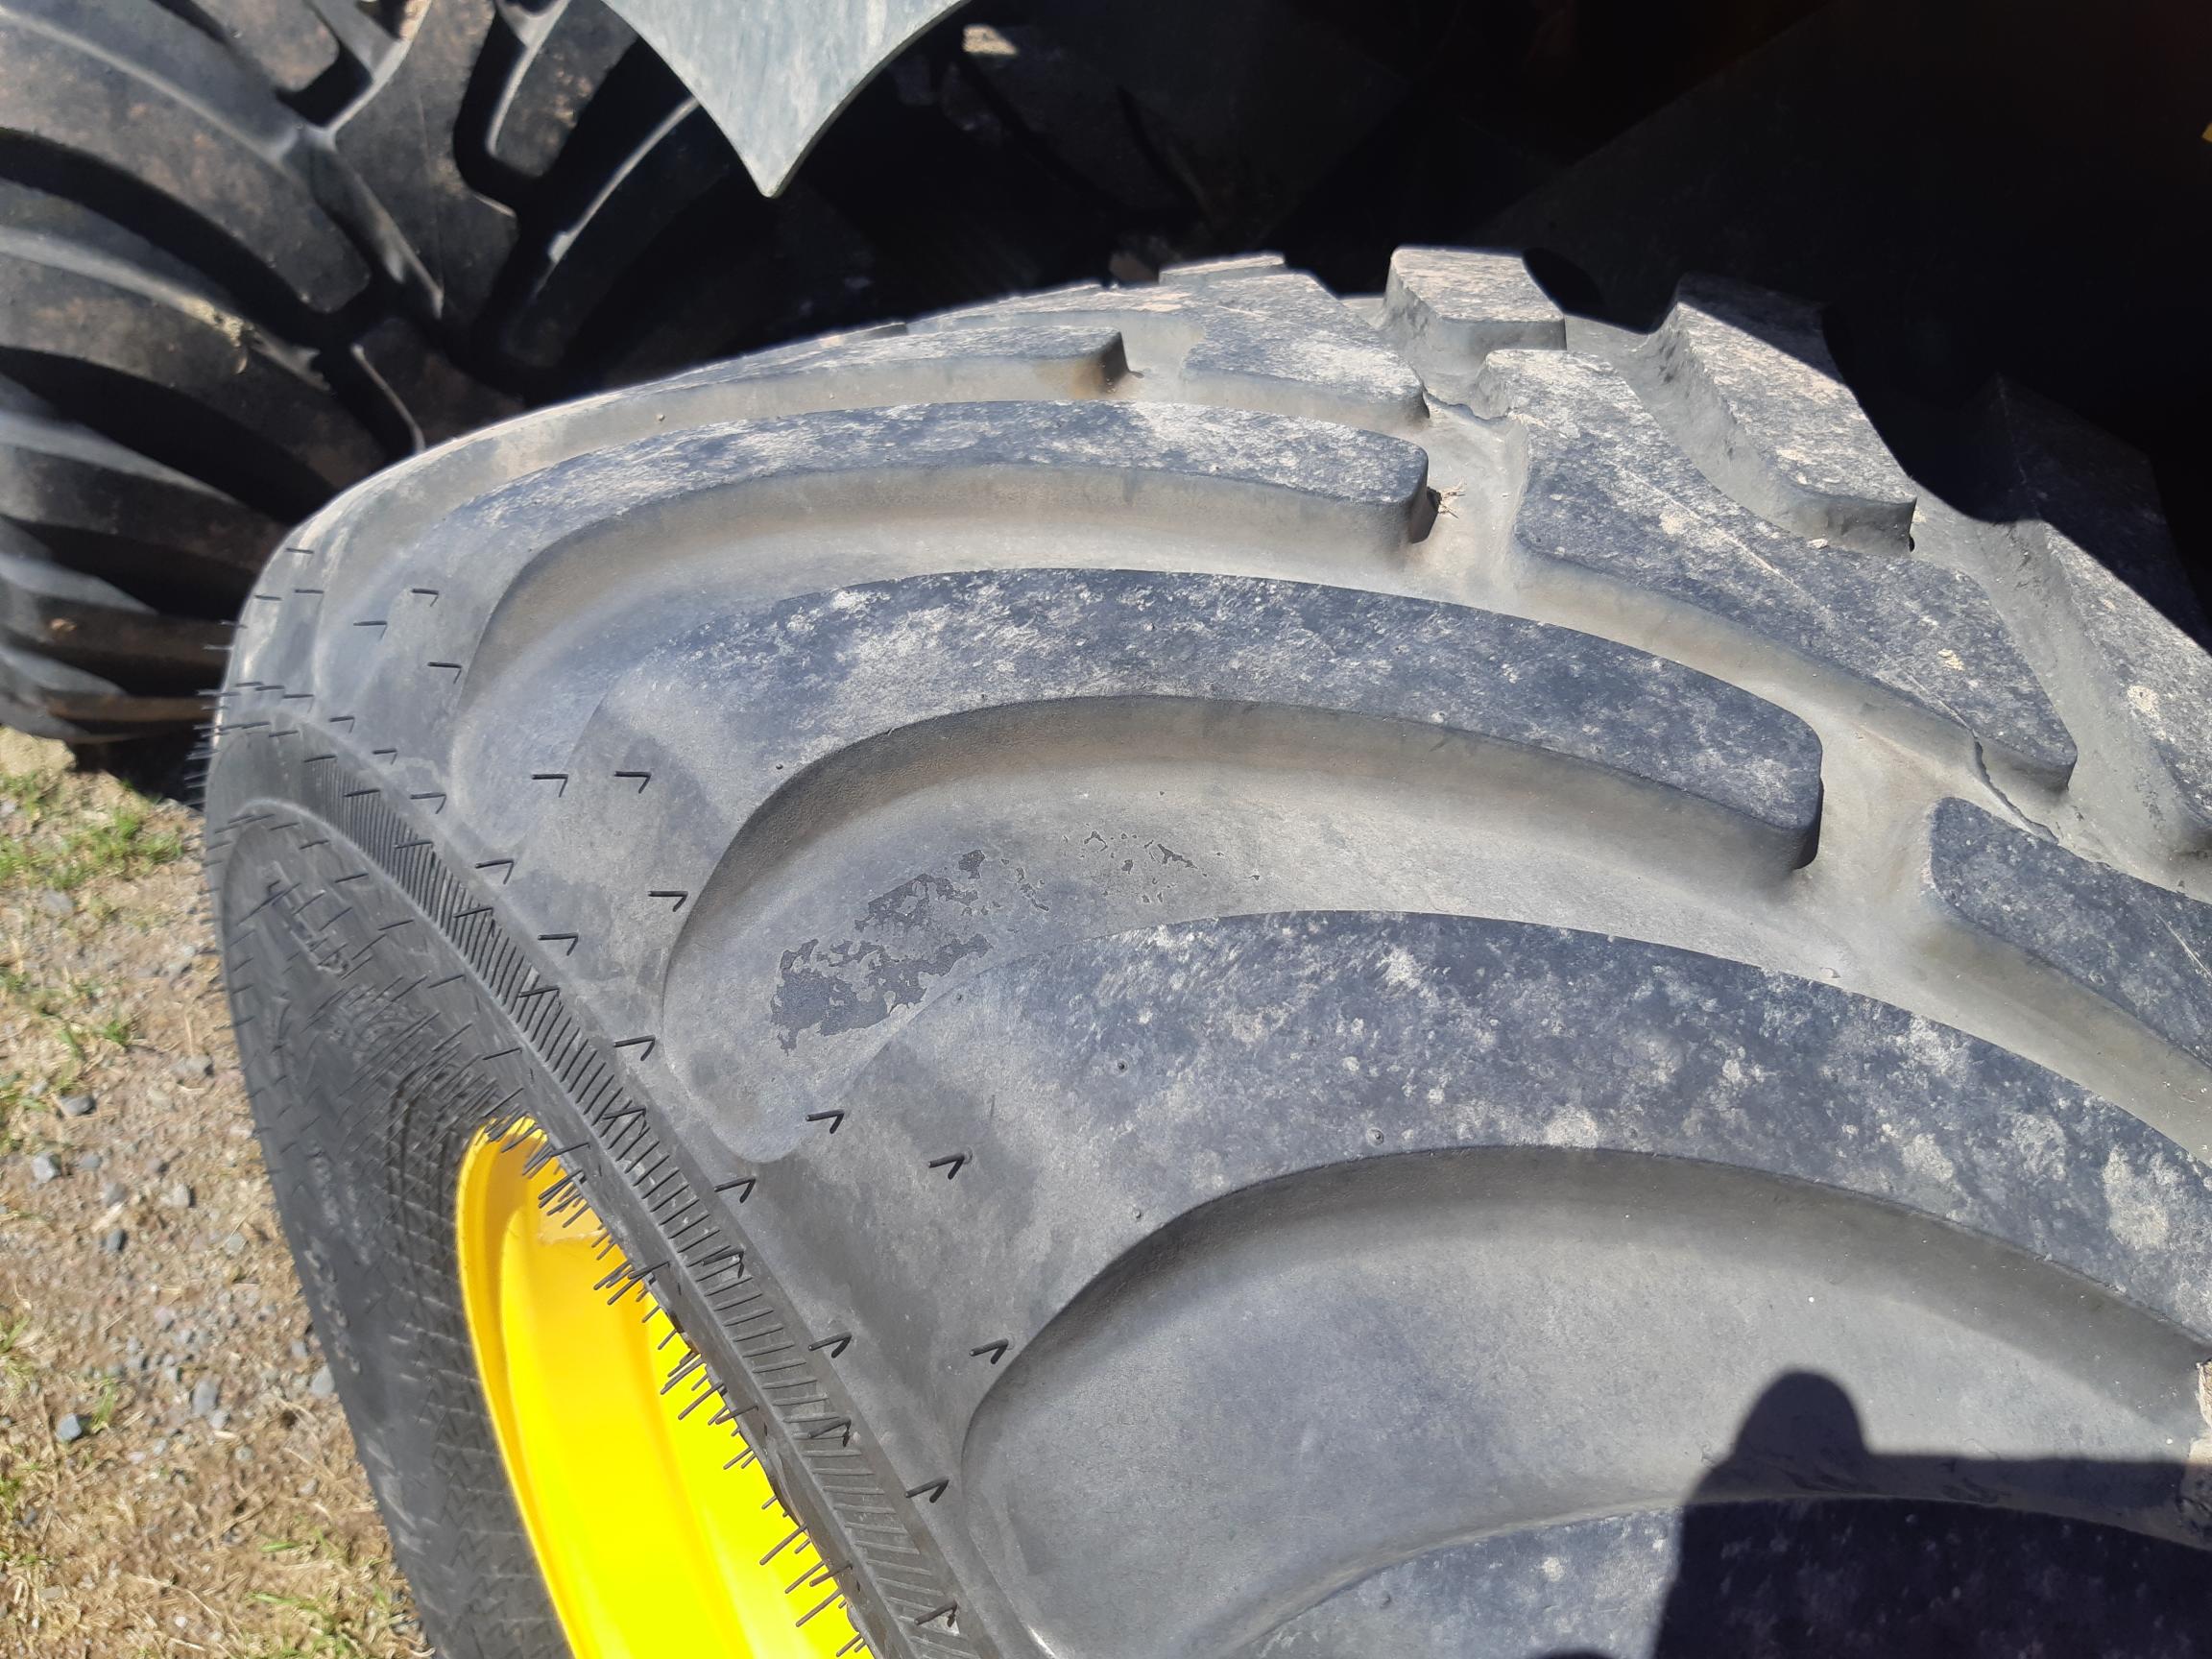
(176, 1476)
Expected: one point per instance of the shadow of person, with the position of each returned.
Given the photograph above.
(1805, 1541)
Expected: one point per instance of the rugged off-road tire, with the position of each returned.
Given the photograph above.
(205, 332)
(253, 249)
(1277, 979)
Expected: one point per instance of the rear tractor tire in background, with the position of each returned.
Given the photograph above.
(1213, 973)
(252, 251)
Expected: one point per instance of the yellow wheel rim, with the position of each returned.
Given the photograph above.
(655, 1529)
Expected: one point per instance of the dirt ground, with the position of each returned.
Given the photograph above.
(175, 1475)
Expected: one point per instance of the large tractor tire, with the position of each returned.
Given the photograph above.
(1202, 973)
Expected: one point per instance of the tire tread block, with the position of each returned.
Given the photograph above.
(822, 678)
(1609, 491)
(145, 95)
(566, 53)
(55, 474)
(2113, 561)
(462, 237)
(1536, 1037)
(83, 620)
(1448, 308)
(821, 673)
(1766, 412)
(860, 372)
(80, 699)
(1108, 1093)
(285, 39)
(675, 165)
(74, 302)
(1327, 480)
(1274, 340)
(2144, 949)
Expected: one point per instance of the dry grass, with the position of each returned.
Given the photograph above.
(161, 1530)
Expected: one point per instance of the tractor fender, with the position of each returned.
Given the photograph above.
(774, 73)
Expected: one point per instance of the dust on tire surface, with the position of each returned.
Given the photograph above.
(1176, 921)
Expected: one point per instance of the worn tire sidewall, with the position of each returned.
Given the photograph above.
(375, 1056)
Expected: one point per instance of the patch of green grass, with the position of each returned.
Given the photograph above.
(103, 1403)
(122, 840)
(331, 1632)
(12, 1555)
(13, 1101)
(128, 845)
(32, 792)
(122, 843)
(355, 1624)
(15, 1367)
(85, 1040)
(314, 1544)
(71, 1008)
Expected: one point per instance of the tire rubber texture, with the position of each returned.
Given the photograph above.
(1280, 977)
(253, 249)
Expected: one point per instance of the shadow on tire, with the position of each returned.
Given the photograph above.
(1834, 1569)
